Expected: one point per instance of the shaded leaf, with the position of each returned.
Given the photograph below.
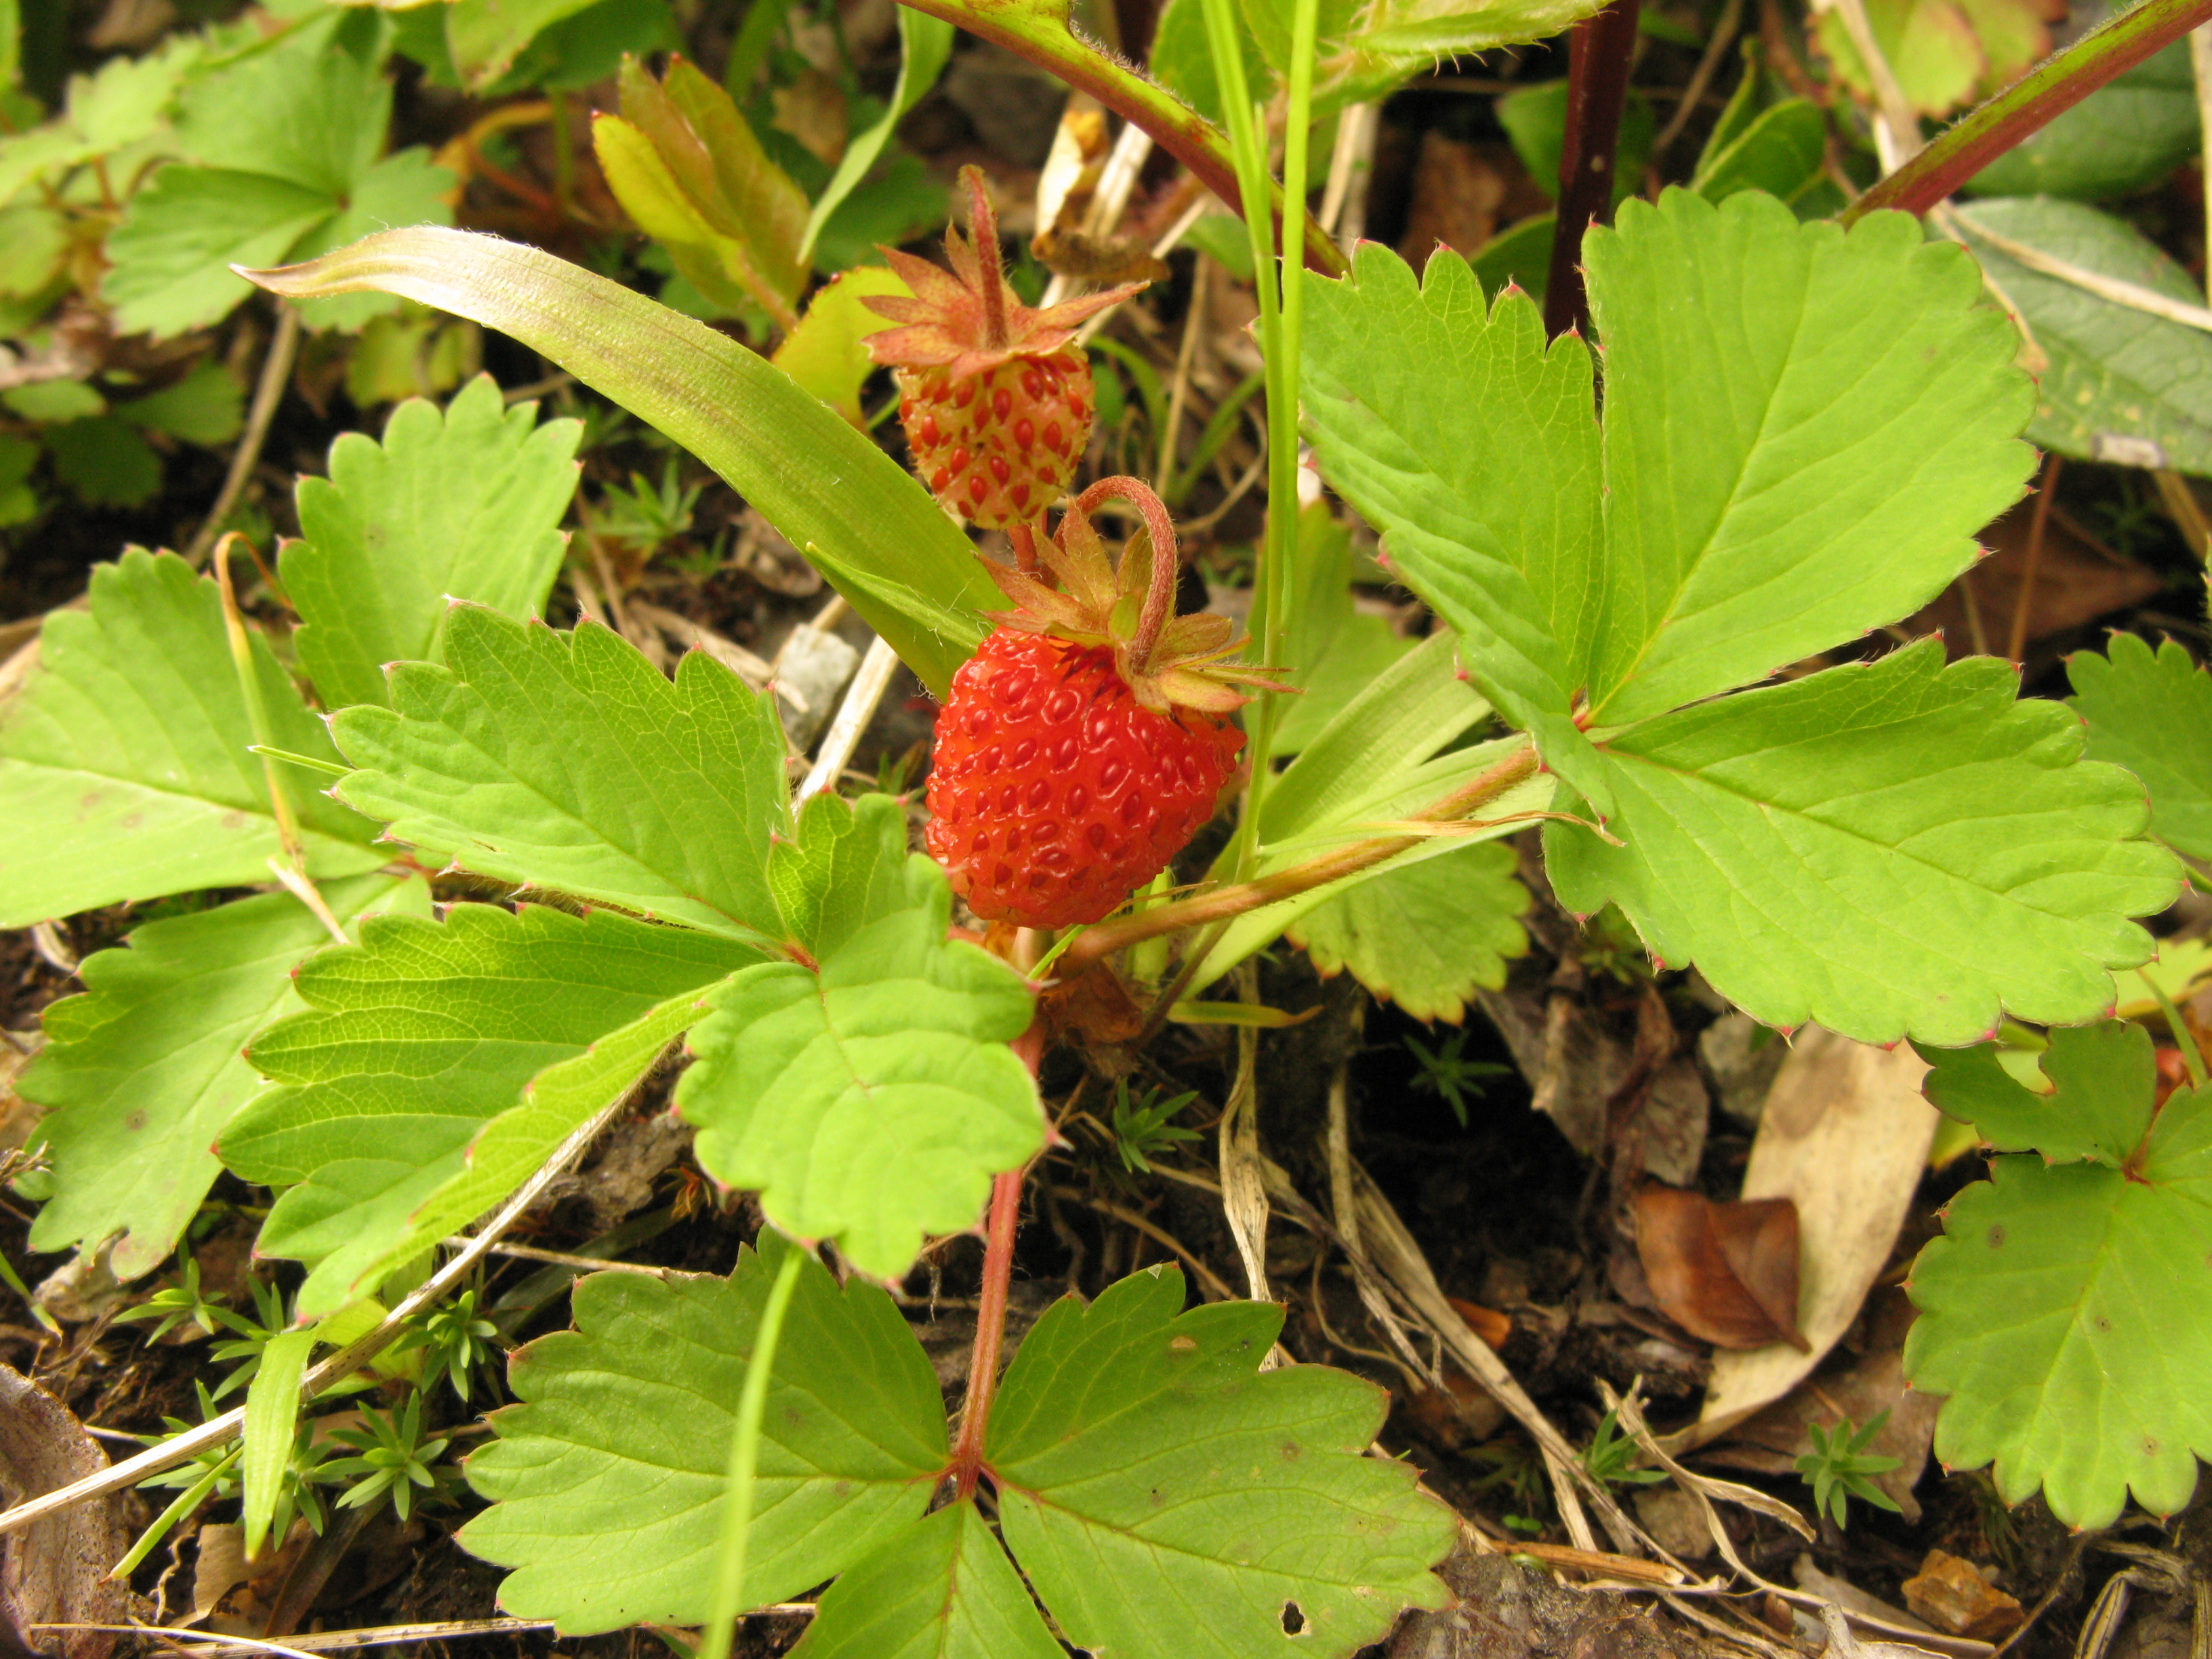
(465, 505)
(1133, 1443)
(2064, 1311)
(823, 353)
(925, 45)
(1426, 935)
(2097, 1077)
(608, 1479)
(140, 1072)
(486, 36)
(124, 769)
(2153, 715)
(2121, 139)
(569, 762)
(1727, 1273)
(1333, 652)
(1885, 849)
(2123, 385)
(849, 868)
(1782, 151)
(942, 1590)
(869, 1102)
(423, 1035)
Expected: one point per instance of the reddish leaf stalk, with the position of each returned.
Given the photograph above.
(1005, 1219)
(1167, 568)
(2031, 104)
(1599, 55)
(1224, 903)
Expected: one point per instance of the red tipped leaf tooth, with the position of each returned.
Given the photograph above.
(989, 377)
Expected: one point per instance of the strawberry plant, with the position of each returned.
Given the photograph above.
(521, 871)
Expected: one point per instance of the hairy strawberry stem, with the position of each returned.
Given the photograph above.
(1167, 562)
(990, 1329)
(1224, 902)
(983, 231)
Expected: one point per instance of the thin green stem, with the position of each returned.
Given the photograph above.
(257, 711)
(2191, 1055)
(745, 1460)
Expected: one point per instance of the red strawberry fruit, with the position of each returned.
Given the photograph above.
(995, 395)
(1087, 740)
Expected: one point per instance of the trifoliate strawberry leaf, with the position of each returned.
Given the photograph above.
(871, 1100)
(608, 1479)
(1788, 408)
(1165, 1496)
(569, 762)
(463, 506)
(2153, 715)
(1474, 449)
(283, 148)
(1425, 935)
(435, 1056)
(1886, 848)
(2100, 1078)
(2064, 1310)
(124, 769)
(941, 1590)
(140, 1072)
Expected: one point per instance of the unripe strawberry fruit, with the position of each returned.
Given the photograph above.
(995, 397)
(1088, 739)
(1055, 793)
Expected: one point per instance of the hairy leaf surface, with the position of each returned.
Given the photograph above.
(2064, 1311)
(124, 769)
(941, 1590)
(1885, 849)
(423, 1035)
(569, 762)
(1135, 1444)
(140, 1072)
(2153, 715)
(1426, 935)
(1803, 430)
(869, 1102)
(609, 1478)
(465, 505)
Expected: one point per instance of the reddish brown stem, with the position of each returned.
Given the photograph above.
(1226, 903)
(990, 1329)
(1023, 537)
(2016, 644)
(1167, 562)
(983, 231)
(1599, 55)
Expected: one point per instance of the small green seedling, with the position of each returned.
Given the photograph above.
(1839, 1468)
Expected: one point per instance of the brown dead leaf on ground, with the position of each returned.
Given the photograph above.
(1463, 193)
(1950, 1593)
(1727, 1273)
(54, 1571)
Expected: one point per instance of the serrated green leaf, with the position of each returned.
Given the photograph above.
(1135, 1444)
(430, 1047)
(849, 868)
(1786, 406)
(1885, 849)
(124, 769)
(941, 1590)
(465, 505)
(569, 762)
(126, 101)
(2123, 385)
(2063, 1311)
(207, 407)
(283, 148)
(875, 531)
(2119, 141)
(140, 1072)
(1332, 652)
(1424, 936)
(872, 1102)
(2153, 716)
(608, 1479)
(1474, 448)
(2100, 1078)
(1782, 151)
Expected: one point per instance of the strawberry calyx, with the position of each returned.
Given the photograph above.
(1168, 661)
(966, 320)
